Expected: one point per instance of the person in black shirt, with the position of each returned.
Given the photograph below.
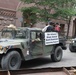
(48, 28)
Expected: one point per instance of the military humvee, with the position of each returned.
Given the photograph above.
(72, 45)
(26, 44)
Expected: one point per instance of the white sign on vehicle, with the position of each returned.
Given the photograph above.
(27, 52)
(51, 38)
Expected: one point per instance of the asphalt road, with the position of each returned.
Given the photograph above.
(68, 60)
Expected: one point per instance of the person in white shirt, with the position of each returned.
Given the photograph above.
(45, 28)
(48, 27)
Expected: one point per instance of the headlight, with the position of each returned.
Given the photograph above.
(1, 47)
(73, 41)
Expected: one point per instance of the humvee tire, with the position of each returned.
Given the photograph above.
(57, 55)
(71, 48)
(11, 60)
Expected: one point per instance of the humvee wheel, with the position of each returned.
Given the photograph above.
(11, 61)
(71, 48)
(57, 55)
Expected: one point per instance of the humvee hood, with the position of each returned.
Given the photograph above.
(7, 42)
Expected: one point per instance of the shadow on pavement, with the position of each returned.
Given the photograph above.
(35, 62)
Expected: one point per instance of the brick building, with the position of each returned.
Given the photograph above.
(9, 13)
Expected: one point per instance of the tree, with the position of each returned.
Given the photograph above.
(29, 16)
(63, 9)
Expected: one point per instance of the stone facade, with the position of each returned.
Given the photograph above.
(9, 4)
(7, 12)
(7, 17)
(72, 27)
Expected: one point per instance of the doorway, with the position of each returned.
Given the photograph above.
(62, 29)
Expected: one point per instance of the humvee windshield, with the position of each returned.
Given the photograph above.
(10, 33)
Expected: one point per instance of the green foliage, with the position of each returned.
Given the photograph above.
(64, 13)
(43, 8)
(29, 15)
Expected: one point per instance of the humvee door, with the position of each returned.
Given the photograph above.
(36, 46)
